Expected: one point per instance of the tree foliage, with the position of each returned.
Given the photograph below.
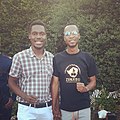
(15, 17)
(98, 22)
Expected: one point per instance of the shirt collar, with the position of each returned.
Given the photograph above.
(32, 54)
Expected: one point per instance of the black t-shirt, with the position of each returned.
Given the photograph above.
(73, 68)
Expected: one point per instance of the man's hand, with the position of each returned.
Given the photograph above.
(30, 98)
(9, 104)
(81, 87)
(56, 114)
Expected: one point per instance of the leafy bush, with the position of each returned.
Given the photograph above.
(106, 101)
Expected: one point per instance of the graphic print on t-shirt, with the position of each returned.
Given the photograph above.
(72, 72)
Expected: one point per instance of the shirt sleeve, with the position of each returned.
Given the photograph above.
(55, 68)
(15, 70)
(92, 68)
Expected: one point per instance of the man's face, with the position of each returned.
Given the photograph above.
(38, 36)
(71, 35)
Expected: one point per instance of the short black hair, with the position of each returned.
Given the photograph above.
(35, 22)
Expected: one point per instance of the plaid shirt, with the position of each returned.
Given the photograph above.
(34, 74)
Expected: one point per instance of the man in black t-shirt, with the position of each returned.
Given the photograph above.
(75, 72)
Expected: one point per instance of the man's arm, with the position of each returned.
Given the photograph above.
(91, 85)
(55, 97)
(12, 82)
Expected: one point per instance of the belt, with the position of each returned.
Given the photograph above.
(37, 105)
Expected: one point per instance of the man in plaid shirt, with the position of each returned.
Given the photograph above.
(33, 69)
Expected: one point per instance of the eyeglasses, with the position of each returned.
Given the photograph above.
(67, 33)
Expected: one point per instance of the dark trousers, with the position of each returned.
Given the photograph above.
(5, 114)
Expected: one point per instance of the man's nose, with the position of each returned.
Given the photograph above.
(39, 35)
(72, 35)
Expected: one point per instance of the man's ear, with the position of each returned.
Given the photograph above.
(64, 38)
(79, 36)
(29, 36)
